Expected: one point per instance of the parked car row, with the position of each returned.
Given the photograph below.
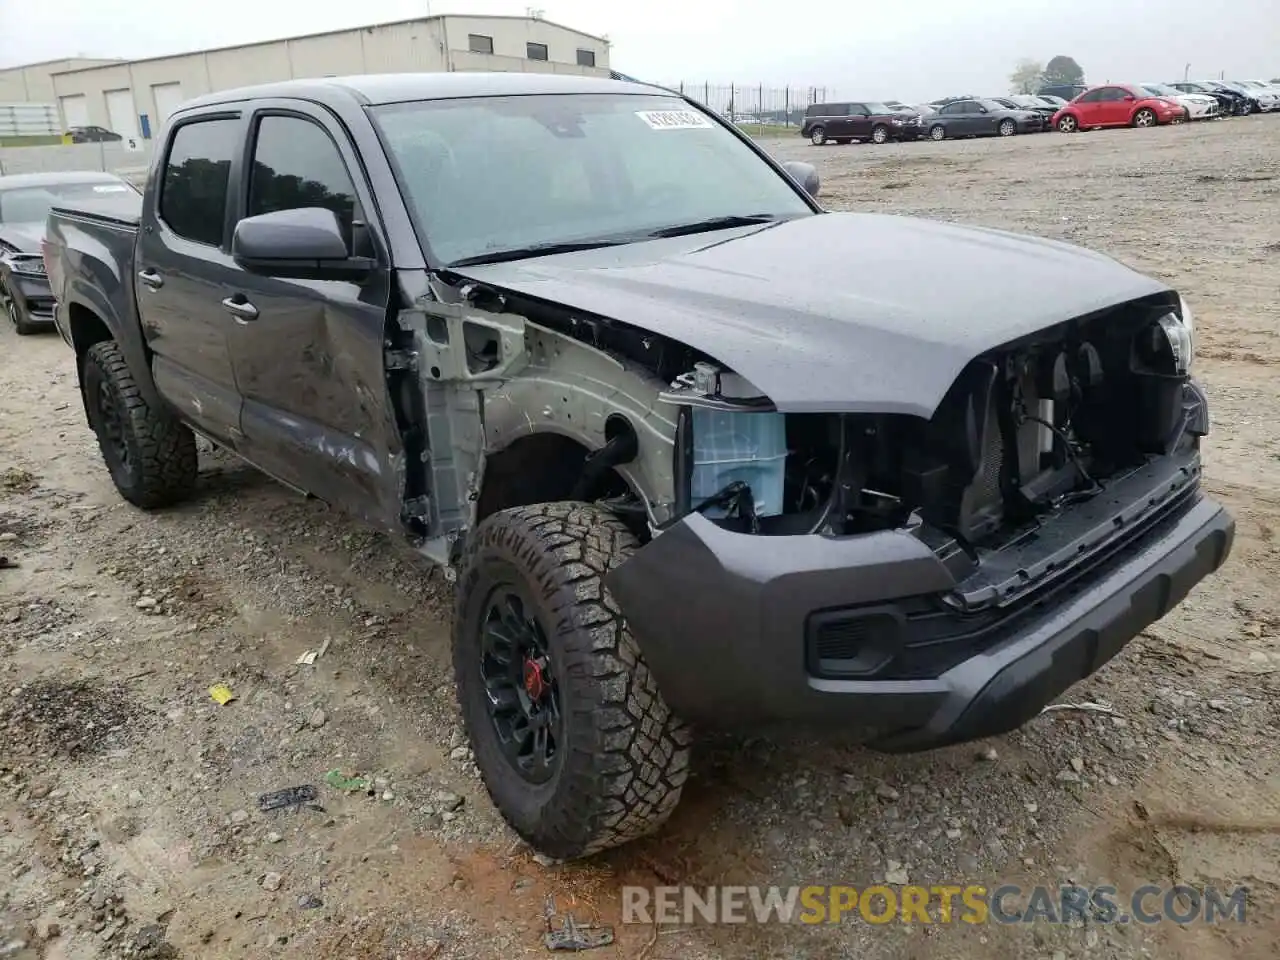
(1063, 107)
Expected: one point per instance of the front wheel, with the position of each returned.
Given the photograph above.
(573, 740)
(1068, 124)
(880, 134)
(937, 132)
(818, 136)
(1008, 128)
(151, 454)
(1145, 118)
(17, 314)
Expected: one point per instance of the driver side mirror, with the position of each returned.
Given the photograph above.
(805, 174)
(305, 243)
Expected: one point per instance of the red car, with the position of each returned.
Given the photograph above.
(1117, 105)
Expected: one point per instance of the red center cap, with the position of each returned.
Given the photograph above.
(534, 683)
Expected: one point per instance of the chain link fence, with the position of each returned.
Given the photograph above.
(754, 104)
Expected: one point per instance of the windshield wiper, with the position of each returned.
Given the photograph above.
(715, 223)
(537, 250)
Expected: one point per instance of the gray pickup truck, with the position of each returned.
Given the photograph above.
(696, 452)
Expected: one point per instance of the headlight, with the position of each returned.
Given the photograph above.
(27, 265)
(1179, 329)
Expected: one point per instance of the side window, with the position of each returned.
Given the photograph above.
(296, 164)
(1114, 93)
(858, 110)
(193, 193)
(840, 110)
(1093, 96)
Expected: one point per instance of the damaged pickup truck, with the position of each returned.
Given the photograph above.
(565, 336)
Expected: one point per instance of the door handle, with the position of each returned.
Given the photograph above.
(151, 279)
(242, 310)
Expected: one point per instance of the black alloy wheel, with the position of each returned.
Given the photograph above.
(519, 679)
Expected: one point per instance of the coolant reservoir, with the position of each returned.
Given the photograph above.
(729, 446)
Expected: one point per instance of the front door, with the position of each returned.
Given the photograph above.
(859, 122)
(1115, 106)
(308, 354)
(181, 259)
(1090, 108)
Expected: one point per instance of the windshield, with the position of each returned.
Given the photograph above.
(1160, 90)
(874, 108)
(32, 204)
(492, 174)
(993, 105)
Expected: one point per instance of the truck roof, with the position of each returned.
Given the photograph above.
(380, 88)
(52, 178)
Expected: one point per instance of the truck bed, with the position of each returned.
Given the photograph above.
(121, 210)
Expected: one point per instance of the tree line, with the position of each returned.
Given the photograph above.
(1030, 75)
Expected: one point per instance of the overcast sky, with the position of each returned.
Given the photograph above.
(908, 49)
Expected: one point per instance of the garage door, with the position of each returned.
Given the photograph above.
(121, 117)
(75, 111)
(166, 96)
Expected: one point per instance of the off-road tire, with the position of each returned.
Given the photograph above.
(162, 460)
(625, 756)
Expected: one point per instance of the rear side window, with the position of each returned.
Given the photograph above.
(296, 164)
(193, 194)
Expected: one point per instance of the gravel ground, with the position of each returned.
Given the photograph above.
(130, 818)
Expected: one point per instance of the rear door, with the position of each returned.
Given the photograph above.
(180, 261)
(968, 118)
(308, 354)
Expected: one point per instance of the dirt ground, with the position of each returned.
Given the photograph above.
(130, 822)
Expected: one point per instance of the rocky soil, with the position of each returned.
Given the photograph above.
(132, 820)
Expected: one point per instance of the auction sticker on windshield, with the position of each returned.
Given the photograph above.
(674, 119)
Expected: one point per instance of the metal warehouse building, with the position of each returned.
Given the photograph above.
(134, 98)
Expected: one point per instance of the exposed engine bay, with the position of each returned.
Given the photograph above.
(1024, 432)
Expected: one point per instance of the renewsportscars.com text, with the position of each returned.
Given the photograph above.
(970, 903)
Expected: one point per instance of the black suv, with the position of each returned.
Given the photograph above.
(859, 120)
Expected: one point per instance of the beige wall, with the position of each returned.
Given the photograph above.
(418, 45)
(510, 34)
(33, 83)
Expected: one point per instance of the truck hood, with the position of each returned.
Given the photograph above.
(829, 312)
(25, 237)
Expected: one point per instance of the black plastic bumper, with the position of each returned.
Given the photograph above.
(721, 619)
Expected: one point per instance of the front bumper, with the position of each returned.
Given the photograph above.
(724, 618)
(33, 295)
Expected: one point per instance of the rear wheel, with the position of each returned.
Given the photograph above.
(574, 742)
(151, 454)
(1008, 128)
(818, 136)
(1145, 117)
(880, 134)
(937, 132)
(1068, 124)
